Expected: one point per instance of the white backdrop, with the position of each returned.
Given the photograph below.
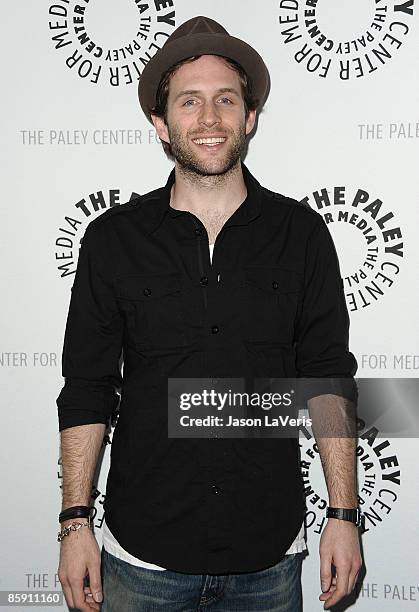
(342, 116)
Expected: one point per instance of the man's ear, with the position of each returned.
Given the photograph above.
(250, 121)
(161, 128)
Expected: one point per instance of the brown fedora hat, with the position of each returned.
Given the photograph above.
(201, 36)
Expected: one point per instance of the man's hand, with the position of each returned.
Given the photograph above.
(79, 557)
(339, 544)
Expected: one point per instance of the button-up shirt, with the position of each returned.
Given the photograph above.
(147, 305)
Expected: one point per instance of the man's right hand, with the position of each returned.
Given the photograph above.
(80, 557)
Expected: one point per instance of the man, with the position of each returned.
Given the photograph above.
(196, 523)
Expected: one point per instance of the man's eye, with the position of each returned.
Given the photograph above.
(225, 98)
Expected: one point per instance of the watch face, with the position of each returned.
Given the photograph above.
(360, 519)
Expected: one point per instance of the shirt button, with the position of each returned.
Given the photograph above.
(198, 232)
(215, 489)
(215, 329)
(147, 291)
(204, 280)
(275, 284)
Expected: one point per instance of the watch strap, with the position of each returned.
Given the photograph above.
(354, 515)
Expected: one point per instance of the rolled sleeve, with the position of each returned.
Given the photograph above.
(322, 327)
(92, 347)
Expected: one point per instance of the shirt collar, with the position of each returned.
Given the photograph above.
(158, 206)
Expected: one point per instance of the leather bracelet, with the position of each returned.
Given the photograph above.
(72, 527)
(354, 515)
(74, 512)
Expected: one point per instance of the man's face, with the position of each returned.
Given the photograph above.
(205, 101)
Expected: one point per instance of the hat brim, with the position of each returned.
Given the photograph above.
(202, 44)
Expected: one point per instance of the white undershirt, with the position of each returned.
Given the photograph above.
(111, 545)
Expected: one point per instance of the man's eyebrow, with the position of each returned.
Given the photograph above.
(192, 92)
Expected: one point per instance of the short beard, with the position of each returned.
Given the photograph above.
(192, 165)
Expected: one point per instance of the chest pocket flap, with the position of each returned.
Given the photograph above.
(148, 287)
(273, 280)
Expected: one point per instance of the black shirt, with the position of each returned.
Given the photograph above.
(146, 295)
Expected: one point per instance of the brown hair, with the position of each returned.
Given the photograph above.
(160, 109)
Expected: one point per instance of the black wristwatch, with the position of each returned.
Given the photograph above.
(354, 515)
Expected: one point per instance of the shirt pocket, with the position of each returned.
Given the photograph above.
(270, 301)
(153, 309)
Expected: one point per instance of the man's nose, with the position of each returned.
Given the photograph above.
(209, 115)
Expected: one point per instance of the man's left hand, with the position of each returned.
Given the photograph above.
(339, 544)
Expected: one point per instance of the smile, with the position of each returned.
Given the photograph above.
(211, 142)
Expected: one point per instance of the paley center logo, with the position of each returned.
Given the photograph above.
(369, 241)
(109, 42)
(345, 39)
(73, 226)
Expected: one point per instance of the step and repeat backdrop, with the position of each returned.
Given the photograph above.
(340, 130)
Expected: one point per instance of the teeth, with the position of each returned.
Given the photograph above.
(209, 140)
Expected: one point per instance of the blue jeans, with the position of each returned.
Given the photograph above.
(128, 588)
